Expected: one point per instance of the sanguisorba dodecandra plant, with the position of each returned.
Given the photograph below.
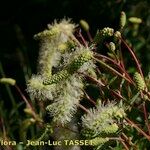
(68, 66)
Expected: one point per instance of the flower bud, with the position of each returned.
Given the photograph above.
(8, 81)
(56, 77)
(122, 20)
(45, 34)
(135, 20)
(106, 32)
(139, 81)
(112, 46)
(99, 141)
(113, 128)
(102, 34)
(84, 25)
(79, 61)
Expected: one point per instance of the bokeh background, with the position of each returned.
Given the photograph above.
(21, 19)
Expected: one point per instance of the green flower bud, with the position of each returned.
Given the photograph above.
(122, 20)
(139, 81)
(120, 113)
(8, 81)
(101, 120)
(106, 32)
(84, 25)
(87, 133)
(112, 46)
(46, 34)
(102, 34)
(99, 141)
(135, 20)
(113, 128)
(63, 47)
(56, 77)
(79, 61)
(28, 111)
(71, 44)
(117, 35)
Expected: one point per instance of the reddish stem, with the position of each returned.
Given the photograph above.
(23, 97)
(138, 129)
(26, 101)
(111, 69)
(134, 57)
(83, 108)
(89, 98)
(117, 64)
(93, 79)
(146, 117)
(124, 144)
(89, 36)
(82, 38)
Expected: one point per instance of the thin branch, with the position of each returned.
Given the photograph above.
(128, 139)
(146, 117)
(72, 37)
(93, 79)
(5, 135)
(3, 128)
(29, 105)
(23, 97)
(115, 138)
(89, 98)
(82, 38)
(83, 108)
(112, 69)
(67, 128)
(138, 129)
(10, 94)
(124, 144)
(115, 63)
(134, 57)
(89, 36)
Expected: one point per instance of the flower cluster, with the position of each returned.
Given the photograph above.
(66, 101)
(103, 34)
(62, 63)
(102, 121)
(58, 80)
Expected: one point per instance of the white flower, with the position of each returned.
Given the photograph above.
(63, 109)
(66, 100)
(101, 119)
(87, 66)
(50, 39)
(64, 26)
(37, 90)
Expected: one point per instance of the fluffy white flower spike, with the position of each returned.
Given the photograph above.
(58, 79)
(64, 26)
(66, 101)
(101, 119)
(37, 90)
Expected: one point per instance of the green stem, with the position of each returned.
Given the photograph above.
(8, 88)
(44, 134)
